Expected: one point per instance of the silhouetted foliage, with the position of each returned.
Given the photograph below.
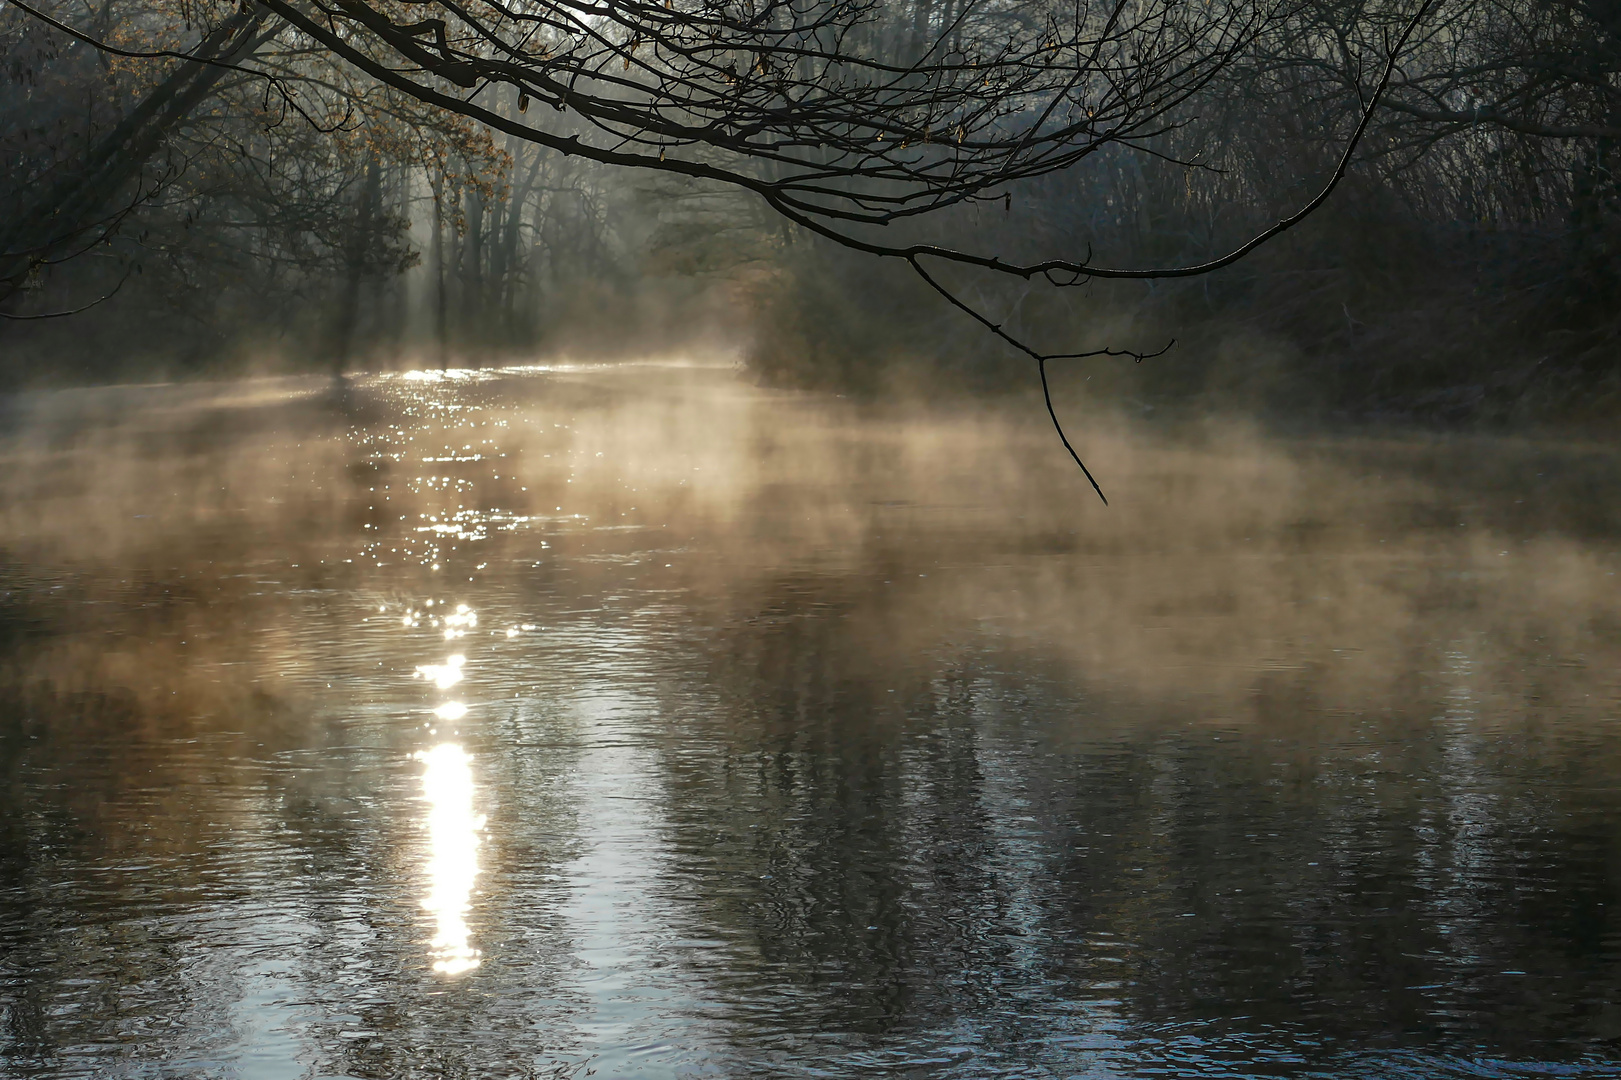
(570, 176)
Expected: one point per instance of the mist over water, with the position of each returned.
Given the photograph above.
(633, 719)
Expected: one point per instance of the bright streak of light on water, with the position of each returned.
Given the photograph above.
(445, 675)
(453, 838)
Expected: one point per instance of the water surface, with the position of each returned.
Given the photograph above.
(634, 721)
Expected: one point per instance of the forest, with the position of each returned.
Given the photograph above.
(1295, 208)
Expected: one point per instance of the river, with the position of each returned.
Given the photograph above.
(633, 720)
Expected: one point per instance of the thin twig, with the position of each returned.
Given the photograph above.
(1047, 396)
(1041, 363)
(275, 81)
(75, 311)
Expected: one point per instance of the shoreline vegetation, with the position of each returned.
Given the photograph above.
(202, 190)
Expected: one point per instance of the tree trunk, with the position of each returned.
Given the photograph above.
(360, 240)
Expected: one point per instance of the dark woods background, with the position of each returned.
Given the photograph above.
(1468, 270)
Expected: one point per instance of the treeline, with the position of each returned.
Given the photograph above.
(262, 202)
(160, 218)
(1468, 269)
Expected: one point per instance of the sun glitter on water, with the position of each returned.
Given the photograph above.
(453, 834)
(445, 675)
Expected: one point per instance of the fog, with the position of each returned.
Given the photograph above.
(1457, 265)
(787, 731)
(1224, 551)
(533, 540)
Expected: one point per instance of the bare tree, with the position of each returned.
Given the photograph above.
(858, 120)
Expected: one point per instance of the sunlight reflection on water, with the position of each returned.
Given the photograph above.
(453, 838)
(811, 743)
(445, 675)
